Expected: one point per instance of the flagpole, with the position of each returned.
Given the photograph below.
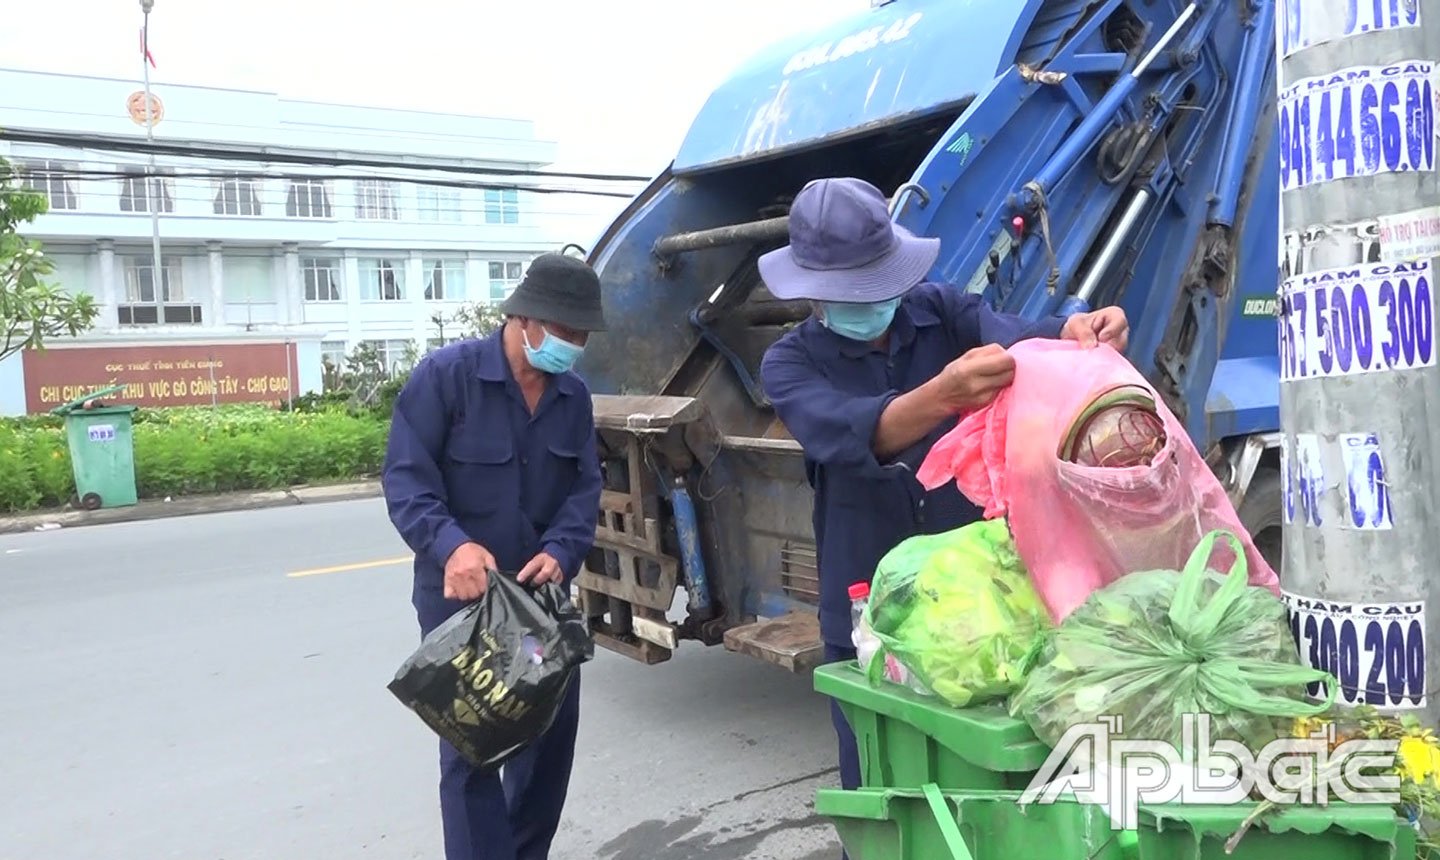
(152, 192)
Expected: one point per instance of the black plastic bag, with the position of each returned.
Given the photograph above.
(491, 678)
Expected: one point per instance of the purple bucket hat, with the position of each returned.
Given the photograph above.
(844, 247)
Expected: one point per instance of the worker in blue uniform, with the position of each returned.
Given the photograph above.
(877, 374)
(492, 466)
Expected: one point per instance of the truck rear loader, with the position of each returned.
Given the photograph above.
(1070, 154)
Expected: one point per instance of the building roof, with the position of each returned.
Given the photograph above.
(84, 105)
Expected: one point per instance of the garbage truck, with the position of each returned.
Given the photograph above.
(1069, 154)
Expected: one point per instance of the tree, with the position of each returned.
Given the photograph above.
(31, 309)
(478, 320)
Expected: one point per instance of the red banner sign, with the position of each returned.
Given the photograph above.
(180, 375)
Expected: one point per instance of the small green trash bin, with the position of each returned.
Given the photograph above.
(102, 450)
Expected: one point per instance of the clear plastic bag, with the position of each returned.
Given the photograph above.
(957, 609)
(1079, 526)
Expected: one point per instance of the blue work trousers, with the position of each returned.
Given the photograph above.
(512, 814)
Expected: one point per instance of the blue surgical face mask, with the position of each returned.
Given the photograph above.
(553, 355)
(859, 322)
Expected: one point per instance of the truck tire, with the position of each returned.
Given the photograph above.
(1260, 514)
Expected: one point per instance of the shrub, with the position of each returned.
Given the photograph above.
(199, 450)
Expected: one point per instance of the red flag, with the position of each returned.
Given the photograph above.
(145, 48)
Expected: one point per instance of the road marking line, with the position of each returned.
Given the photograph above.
(341, 568)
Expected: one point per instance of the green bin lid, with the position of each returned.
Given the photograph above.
(77, 405)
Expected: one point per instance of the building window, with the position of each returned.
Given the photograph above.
(435, 343)
(322, 279)
(333, 352)
(439, 204)
(382, 280)
(444, 280)
(502, 207)
(142, 306)
(237, 196)
(54, 179)
(71, 272)
(140, 280)
(504, 277)
(134, 196)
(375, 201)
(308, 198)
(393, 354)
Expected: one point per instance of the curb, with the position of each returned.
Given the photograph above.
(154, 509)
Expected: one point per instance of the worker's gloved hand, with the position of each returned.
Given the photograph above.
(542, 568)
(972, 380)
(1107, 326)
(467, 571)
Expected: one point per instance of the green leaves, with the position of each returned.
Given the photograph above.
(478, 320)
(32, 310)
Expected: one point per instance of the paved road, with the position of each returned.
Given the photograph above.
(169, 690)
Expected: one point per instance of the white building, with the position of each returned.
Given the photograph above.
(311, 260)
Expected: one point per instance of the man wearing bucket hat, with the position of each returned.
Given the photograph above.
(492, 465)
(874, 377)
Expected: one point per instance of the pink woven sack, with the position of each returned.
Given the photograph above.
(1079, 527)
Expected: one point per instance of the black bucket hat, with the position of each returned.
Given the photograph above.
(561, 290)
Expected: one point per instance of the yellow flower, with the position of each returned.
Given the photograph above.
(1419, 761)
(54, 455)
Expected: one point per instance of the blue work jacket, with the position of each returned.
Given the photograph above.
(467, 461)
(829, 392)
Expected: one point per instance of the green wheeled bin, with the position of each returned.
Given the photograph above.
(102, 450)
(945, 783)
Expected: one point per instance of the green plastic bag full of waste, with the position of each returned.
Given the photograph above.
(1156, 645)
(958, 610)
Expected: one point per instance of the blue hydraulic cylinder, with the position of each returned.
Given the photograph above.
(687, 528)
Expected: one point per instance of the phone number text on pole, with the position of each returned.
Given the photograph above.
(1303, 25)
(1375, 651)
(1357, 319)
(1361, 121)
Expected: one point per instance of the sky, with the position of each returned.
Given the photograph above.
(615, 84)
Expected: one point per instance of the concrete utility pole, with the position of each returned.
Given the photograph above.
(1360, 225)
(152, 188)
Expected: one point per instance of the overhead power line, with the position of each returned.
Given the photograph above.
(281, 155)
(92, 175)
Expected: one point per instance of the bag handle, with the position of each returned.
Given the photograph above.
(1187, 616)
(1193, 621)
(1242, 689)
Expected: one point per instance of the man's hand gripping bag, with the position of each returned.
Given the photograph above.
(491, 678)
(1095, 474)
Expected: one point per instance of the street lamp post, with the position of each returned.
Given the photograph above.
(152, 189)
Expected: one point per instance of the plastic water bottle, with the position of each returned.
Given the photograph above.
(867, 643)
